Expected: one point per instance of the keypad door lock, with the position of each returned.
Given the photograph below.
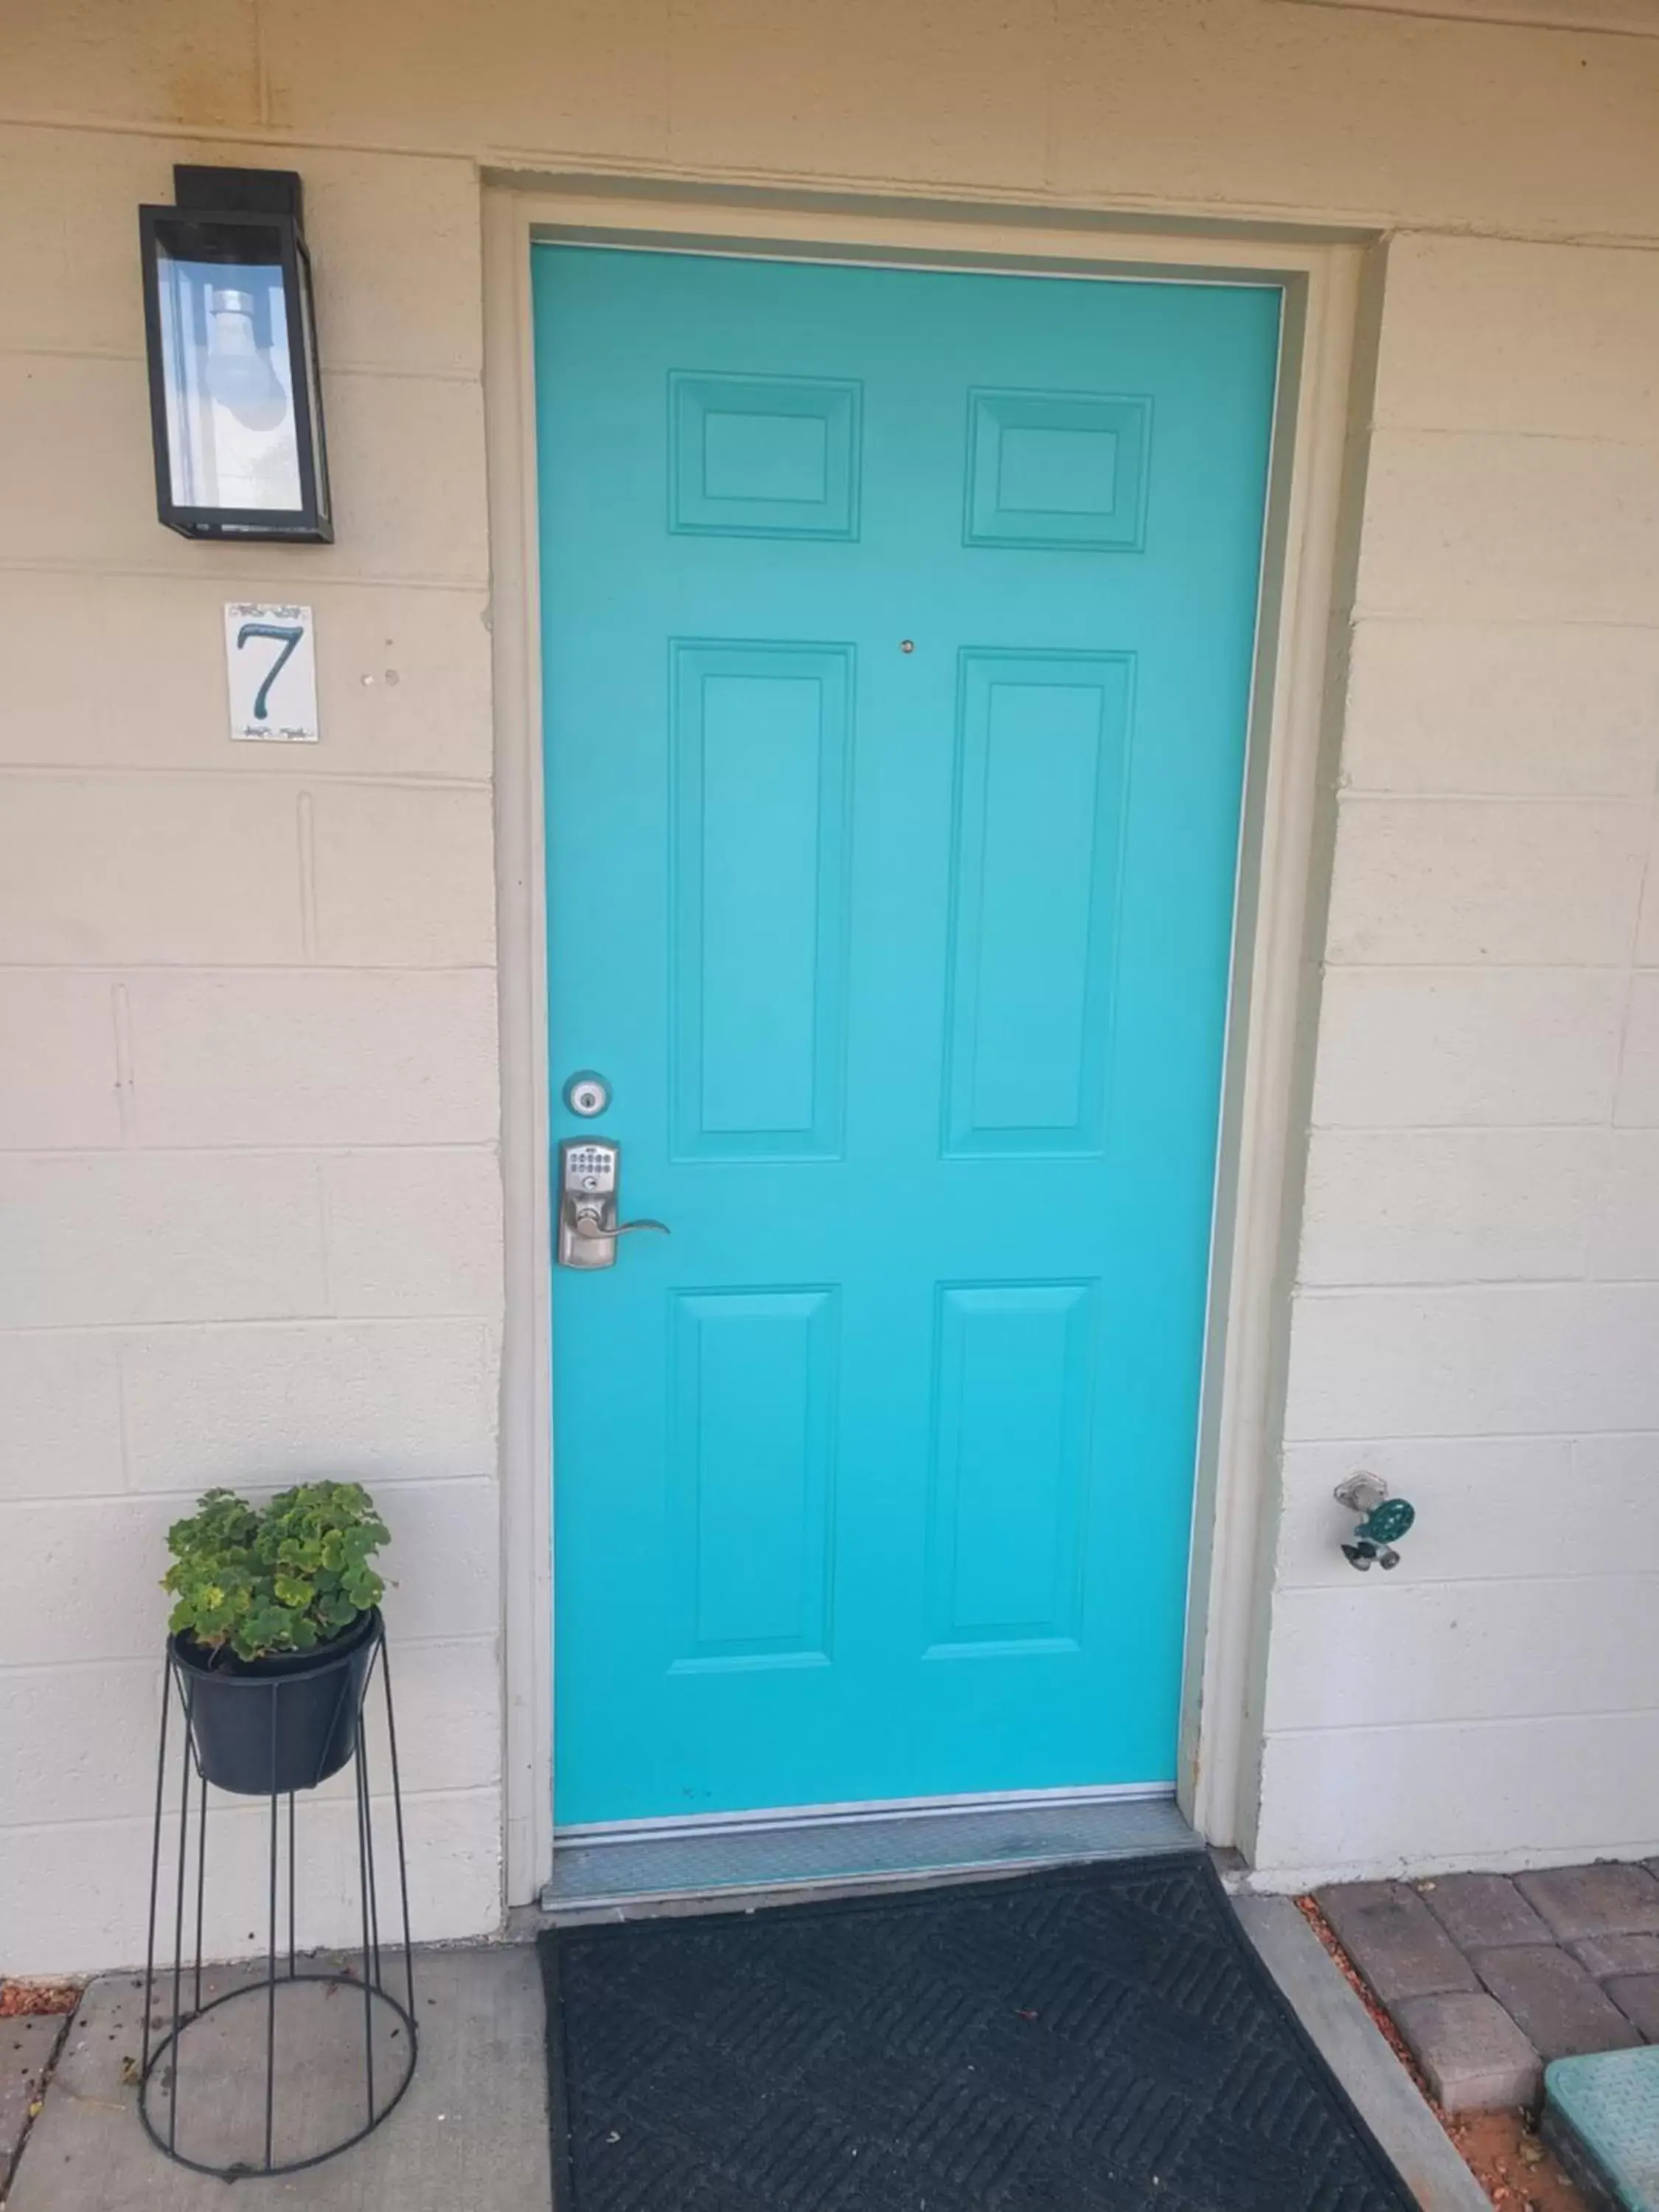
(590, 1171)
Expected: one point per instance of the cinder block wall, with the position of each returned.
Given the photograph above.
(1478, 1315)
(250, 1189)
(251, 1211)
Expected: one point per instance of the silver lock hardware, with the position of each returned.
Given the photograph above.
(587, 1094)
(590, 1169)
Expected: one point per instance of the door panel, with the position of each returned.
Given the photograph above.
(1040, 754)
(1006, 1556)
(897, 633)
(750, 1453)
(760, 737)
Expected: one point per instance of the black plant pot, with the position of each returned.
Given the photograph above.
(286, 1722)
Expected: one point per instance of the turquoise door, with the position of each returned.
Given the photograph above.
(897, 644)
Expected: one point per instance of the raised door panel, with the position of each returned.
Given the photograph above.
(1057, 470)
(751, 1460)
(1011, 1448)
(1042, 759)
(759, 864)
(764, 457)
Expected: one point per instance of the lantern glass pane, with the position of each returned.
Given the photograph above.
(233, 440)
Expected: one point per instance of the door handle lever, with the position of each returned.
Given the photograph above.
(590, 1222)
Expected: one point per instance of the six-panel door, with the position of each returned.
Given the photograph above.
(897, 645)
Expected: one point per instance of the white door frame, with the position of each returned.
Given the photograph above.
(1283, 864)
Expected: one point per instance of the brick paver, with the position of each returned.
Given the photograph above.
(1594, 1900)
(1606, 1955)
(1637, 1997)
(1555, 2003)
(1394, 1940)
(1482, 1911)
(1474, 2056)
(1488, 1976)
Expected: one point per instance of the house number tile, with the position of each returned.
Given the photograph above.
(270, 666)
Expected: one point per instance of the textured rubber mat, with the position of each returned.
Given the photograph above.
(1601, 2119)
(1092, 2039)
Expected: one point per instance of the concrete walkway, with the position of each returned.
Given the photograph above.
(472, 2135)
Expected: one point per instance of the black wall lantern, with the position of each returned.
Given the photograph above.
(235, 406)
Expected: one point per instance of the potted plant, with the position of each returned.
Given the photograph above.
(274, 1627)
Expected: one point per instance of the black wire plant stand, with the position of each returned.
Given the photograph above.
(388, 1997)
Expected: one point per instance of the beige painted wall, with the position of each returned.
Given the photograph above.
(252, 1214)
(250, 1187)
(1478, 1315)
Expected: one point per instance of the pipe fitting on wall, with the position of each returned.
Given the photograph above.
(1383, 1521)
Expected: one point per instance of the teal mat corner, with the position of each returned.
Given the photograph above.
(1601, 2118)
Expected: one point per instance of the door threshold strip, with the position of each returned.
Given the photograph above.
(631, 1871)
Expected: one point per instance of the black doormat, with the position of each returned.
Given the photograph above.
(1095, 2039)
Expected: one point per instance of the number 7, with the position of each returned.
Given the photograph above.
(289, 635)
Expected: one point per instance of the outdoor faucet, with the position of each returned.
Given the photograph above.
(1383, 1521)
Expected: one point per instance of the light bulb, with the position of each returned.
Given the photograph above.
(238, 371)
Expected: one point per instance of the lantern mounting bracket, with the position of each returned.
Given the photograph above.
(196, 190)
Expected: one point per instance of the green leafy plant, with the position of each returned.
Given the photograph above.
(284, 1576)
